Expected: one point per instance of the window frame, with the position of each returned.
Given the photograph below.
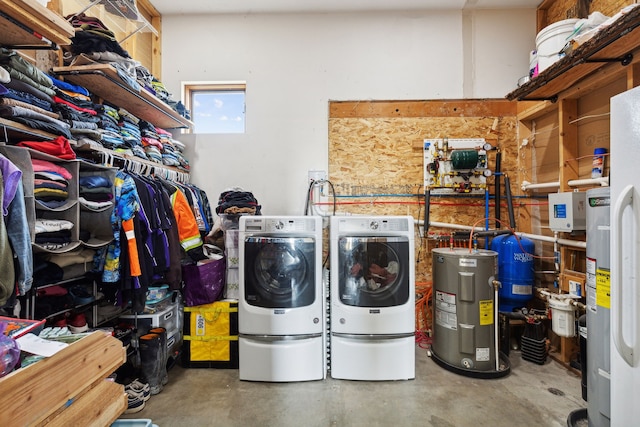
(190, 88)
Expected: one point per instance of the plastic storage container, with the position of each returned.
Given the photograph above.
(551, 40)
(169, 318)
(140, 422)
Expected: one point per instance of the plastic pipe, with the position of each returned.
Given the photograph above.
(602, 181)
(496, 285)
(526, 185)
(564, 242)
(315, 195)
(454, 226)
(567, 297)
(538, 237)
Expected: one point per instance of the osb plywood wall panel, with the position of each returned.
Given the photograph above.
(376, 158)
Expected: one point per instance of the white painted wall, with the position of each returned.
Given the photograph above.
(294, 64)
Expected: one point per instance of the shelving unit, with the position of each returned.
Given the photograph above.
(551, 110)
(103, 81)
(63, 283)
(26, 24)
(10, 130)
(617, 45)
(86, 397)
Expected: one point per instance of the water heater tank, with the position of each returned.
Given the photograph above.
(515, 270)
(464, 331)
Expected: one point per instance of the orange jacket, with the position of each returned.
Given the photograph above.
(188, 231)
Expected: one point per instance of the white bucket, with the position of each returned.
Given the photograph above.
(563, 318)
(551, 40)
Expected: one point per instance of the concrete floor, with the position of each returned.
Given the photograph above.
(531, 395)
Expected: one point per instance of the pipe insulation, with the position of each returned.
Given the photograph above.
(602, 181)
(507, 191)
(526, 185)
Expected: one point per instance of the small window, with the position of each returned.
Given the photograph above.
(216, 107)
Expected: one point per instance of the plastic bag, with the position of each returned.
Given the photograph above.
(204, 282)
(9, 354)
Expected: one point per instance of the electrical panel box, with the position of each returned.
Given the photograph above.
(567, 211)
(453, 166)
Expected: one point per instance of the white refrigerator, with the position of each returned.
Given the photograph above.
(625, 258)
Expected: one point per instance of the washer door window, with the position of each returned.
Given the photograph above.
(279, 272)
(374, 271)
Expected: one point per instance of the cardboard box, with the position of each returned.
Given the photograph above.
(210, 336)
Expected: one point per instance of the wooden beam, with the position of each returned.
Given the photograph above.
(568, 142)
(633, 76)
(446, 108)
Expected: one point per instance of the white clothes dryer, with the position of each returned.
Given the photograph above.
(372, 286)
(281, 309)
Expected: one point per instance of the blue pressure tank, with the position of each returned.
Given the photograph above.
(515, 270)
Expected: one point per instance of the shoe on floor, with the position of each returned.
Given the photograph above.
(78, 323)
(54, 331)
(135, 402)
(140, 388)
(61, 323)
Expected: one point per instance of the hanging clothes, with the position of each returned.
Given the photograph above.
(126, 207)
(20, 239)
(156, 243)
(188, 231)
(7, 271)
(14, 213)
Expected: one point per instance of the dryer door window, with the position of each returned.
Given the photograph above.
(374, 271)
(279, 272)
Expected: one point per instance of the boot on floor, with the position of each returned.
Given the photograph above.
(150, 361)
(162, 332)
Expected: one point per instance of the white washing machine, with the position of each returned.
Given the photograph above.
(281, 309)
(372, 286)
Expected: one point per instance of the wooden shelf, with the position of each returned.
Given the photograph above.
(26, 24)
(617, 45)
(10, 130)
(103, 81)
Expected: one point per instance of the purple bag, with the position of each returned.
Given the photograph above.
(203, 284)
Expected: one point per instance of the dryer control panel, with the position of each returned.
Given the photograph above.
(279, 225)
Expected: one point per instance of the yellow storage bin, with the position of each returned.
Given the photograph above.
(211, 335)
